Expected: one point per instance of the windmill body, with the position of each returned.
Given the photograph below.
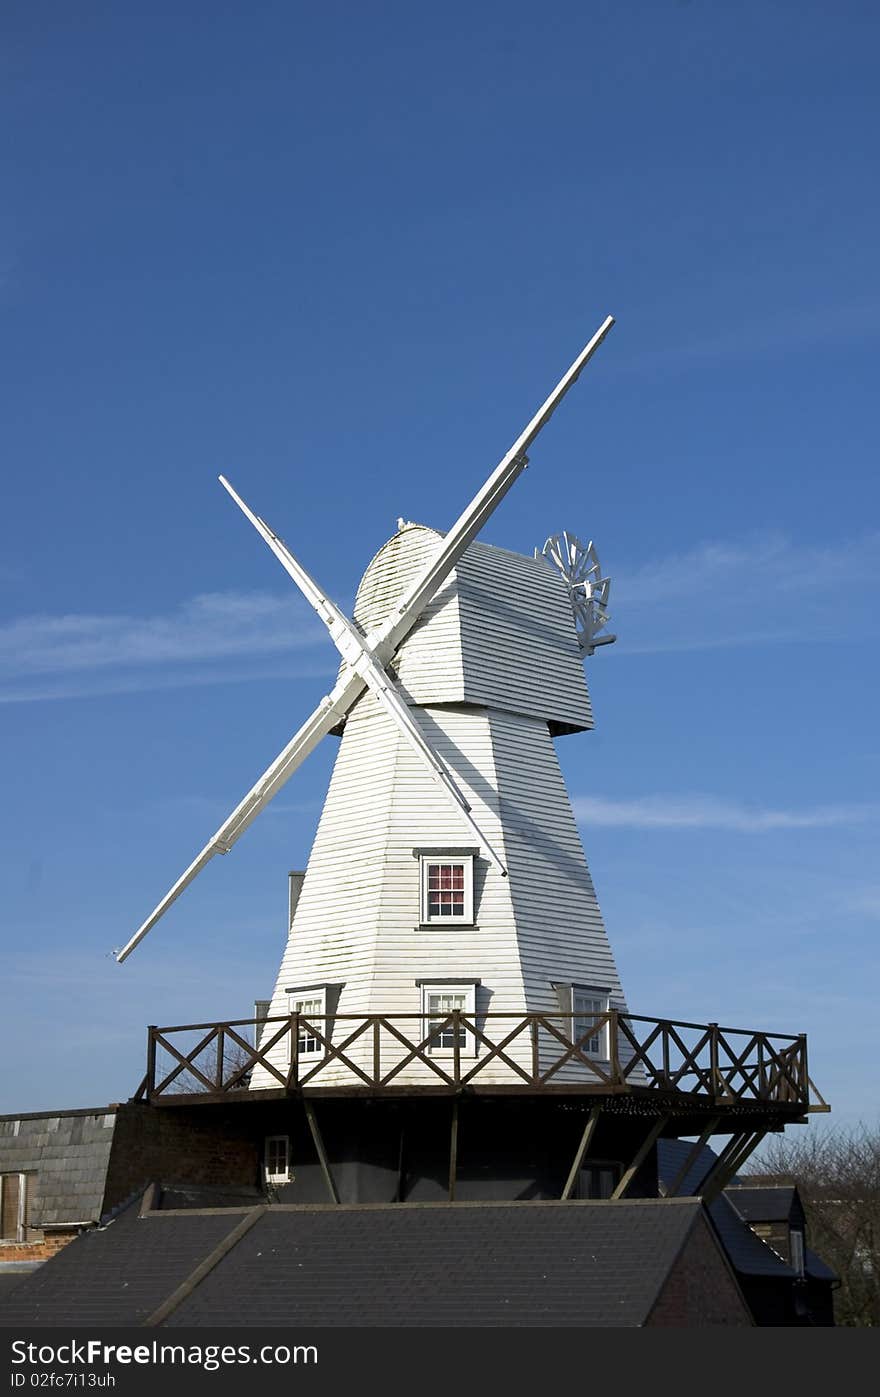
(447, 1024)
(492, 672)
(446, 953)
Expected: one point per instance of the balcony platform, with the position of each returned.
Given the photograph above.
(391, 1107)
(647, 1067)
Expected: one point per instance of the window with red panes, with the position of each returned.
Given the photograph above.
(446, 890)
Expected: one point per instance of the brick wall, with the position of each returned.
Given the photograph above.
(212, 1146)
(701, 1288)
(36, 1251)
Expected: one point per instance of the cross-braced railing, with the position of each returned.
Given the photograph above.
(386, 1053)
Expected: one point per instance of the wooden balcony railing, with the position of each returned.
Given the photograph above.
(385, 1054)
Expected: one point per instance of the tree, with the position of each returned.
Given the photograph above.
(837, 1173)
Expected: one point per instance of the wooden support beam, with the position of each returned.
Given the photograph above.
(692, 1157)
(151, 1062)
(150, 1199)
(641, 1155)
(803, 1074)
(319, 1146)
(730, 1151)
(187, 1286)
(589, 1131)
(453, 1149)
(401, 1168)
(221, 1059)
(819, 1105)
(722, 1177)
(748, 1148)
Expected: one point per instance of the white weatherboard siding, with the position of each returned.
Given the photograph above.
(518, 640)
(499, 633)
(491, 669)
(560, 927)
(560, 932)
(429, 663)
(358, 918)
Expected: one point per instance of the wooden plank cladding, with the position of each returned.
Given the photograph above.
(498, 634)
(533, 1052)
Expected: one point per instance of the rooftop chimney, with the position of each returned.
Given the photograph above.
(294, 888)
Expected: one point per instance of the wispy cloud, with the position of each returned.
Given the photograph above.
(154, 681)
(205, 627)
(708, 812)
(67, 656)
(763, 589)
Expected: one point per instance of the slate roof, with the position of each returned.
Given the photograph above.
(116, 1274)
(11, 1272)
(67, 1155)
(777, 1203)
(518, 1264)
(749, 1255)
(203, 1196)
(732, 1212)
(766, 1204)
(817, 1268)
(671, 1155)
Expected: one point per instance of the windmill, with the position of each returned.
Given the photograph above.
(447, 940)
(367, 657)
(447, 1024)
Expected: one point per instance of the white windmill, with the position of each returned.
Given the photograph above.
(447, 872)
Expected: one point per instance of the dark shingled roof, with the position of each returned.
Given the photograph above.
(67, 1155)
(671, 1156)
(778, 1203)
(528, 1263)
(748, 1254)
(765, 1204)
(201, 1196)
(12, 1272)
(817, 1268)
(740, 1204)
(441, 1264)
(116, 1274)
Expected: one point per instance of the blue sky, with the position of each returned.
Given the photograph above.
(340, 253)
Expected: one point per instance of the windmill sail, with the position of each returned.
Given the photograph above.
(380, 646)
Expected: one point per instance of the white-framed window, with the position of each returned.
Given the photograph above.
(277, 1159)
(796, 1248)
(598, 1180)
(438, 1003)
(447, 888)
(13, 1207)
(309, 1004)
(586, 1006)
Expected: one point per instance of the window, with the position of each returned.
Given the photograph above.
(587, 1005)
(311, 1005)
(597, 1180)
(13, 1207)
(447, 887)
(796, 1247)
(277, 1156)
(438, 1003)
